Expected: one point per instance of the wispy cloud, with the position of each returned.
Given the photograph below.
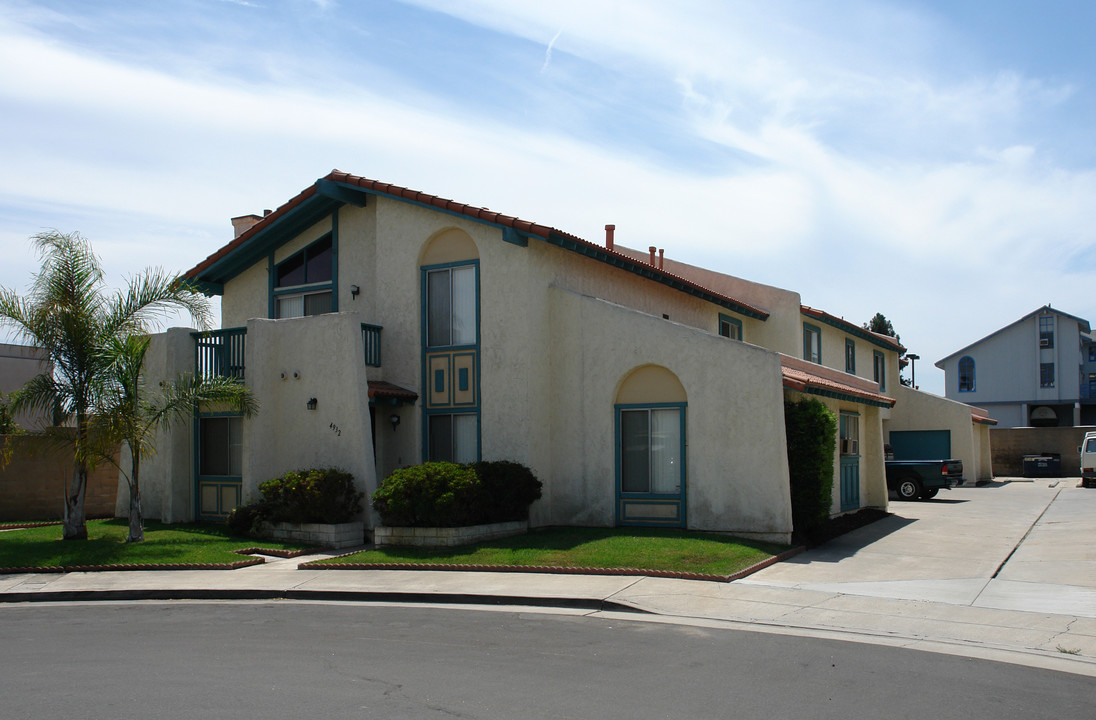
(548, 51)
(851, 154)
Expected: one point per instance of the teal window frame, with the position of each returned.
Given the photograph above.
(850, 356)
(306, 288)
(452, 411)
(810, 331)
(967, 374)
(879, 368)
(732, 326)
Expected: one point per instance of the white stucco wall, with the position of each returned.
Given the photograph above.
(737, 476)
(167, 474)
(289, 362)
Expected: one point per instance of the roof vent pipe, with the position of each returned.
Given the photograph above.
(609, 236)
(660, 254)
(652, 249)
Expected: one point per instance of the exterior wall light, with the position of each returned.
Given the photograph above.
(395, 420)
(312, 404)
(354, 291)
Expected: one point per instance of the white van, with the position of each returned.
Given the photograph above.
(1088, 460)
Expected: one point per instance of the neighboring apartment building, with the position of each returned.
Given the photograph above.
(1039, 371)
(381, 327)
(18, 364)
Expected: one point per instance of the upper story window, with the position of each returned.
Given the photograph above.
(1046, 331)
(730, 327)
(302, 282)
(451, 306)
(812, 343)
(1092, 353)
(1046, 375)
(850, 356)
(879, 369)
(966, 374)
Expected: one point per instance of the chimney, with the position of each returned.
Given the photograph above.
(660, 253)
(652, 249)
(609, 237)
(242, 224)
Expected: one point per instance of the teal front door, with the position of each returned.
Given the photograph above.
(850, 482)
(850, 461)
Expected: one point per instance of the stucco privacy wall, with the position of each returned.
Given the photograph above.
(167, 487)
(917, 410)
(33, 483)
(736, 466)
(288, 363)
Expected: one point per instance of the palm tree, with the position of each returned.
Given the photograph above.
(131, 412)
(70, 315)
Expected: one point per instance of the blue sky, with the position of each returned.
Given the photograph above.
(933, 161)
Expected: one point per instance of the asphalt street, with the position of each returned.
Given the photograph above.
(292, 660)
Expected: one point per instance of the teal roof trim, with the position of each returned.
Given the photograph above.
(847, 327)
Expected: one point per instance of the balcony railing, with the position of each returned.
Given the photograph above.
(371, 338)
(220, 353)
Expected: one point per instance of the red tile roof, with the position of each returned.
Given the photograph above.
(479, 213)
(804, 376)
(852, 328)
(979, 415)
(383, 389)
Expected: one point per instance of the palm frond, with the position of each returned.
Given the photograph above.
(152, 297)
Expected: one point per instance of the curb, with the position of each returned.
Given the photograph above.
(320, 595)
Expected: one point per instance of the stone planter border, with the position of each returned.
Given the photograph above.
(446, 536)
(341, 535)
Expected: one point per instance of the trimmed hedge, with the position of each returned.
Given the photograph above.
(444, 494)
(325, 495)
(812, 438)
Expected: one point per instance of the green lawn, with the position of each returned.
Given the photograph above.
(604, 548)
(42, 547)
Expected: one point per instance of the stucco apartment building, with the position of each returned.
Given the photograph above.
(1039, 371)
(382, 327)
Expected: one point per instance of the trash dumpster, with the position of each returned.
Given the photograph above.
(1048, 465)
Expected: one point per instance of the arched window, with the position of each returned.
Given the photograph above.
(650, 429)
(450, 343)
(966, 374)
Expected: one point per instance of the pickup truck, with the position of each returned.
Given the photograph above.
(913, 479)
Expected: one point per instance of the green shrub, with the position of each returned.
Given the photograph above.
(444, 494)
(244, 520)
(507, 489)
(812, 436)
(323, 495)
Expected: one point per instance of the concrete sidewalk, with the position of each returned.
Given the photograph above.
(1005, 572)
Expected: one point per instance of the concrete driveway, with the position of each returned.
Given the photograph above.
(1010, 545)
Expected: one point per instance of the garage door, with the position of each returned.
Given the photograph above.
(921, 444)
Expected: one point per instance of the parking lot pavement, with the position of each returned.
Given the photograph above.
(1011, 545)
